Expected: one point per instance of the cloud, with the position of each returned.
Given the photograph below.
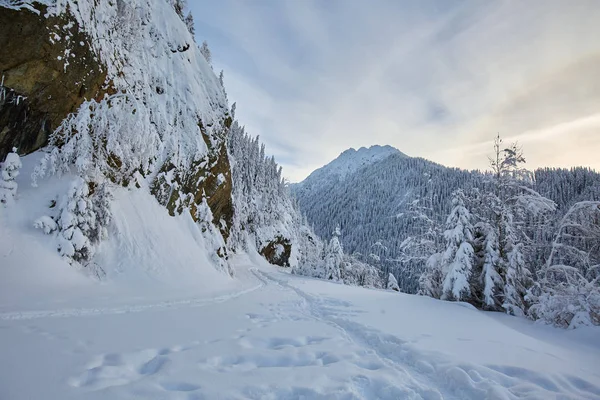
(435, 79)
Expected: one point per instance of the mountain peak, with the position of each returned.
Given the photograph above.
(350, 161)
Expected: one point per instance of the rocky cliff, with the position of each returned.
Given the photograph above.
(37, 91)
(117, 92)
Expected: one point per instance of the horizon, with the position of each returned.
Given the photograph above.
(437, 80)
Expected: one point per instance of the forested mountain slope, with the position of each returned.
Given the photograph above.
(383, 207)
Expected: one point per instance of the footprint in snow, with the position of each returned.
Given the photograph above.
(116, 369)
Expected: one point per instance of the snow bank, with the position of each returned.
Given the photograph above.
(147, 244)
(148, 254)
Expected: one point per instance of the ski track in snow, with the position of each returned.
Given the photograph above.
(81, 312)
(348, 360)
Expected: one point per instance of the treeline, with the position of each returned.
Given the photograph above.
(503, 249)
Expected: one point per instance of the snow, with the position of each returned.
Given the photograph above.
(164, 322)
(147, 252)
(347, 163)
(283, 336)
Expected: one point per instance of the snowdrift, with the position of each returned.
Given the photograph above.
(148, 252)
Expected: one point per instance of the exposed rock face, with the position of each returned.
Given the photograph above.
(278, 252)
(210, 178)
(47, 70)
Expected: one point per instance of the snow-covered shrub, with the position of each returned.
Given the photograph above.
(45, 223)
(568, 295)
(358, 273)
(9, 170)
(392, 283)
(565, 298)
(81, 220)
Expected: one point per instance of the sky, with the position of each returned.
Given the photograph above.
(437, 79)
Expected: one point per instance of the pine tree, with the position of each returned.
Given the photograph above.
(9, 170)
(417, 248)
(430, 282)
(458, 256)
(334, 257)
(179, 6)
(189, 22)
(233, 108)
(511, 202)
(75, 221)
(81, 222)
(221, 81)
(205, 51)
(490, 282)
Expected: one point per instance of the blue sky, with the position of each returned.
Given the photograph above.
(434, 78)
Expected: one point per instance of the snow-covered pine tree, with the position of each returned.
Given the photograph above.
(431, 281)
(334, 258)
(416, 249)
(9, 170)
(222, 82)
(310, 262)
(458, 256)
(189, 22)
(179, 6)
(81, 220)
(205, 51)
(486, 282)
(509, 209)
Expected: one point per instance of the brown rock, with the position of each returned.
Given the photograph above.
(39, 89)
(278, 252)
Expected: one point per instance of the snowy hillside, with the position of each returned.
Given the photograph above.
(146, 251)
